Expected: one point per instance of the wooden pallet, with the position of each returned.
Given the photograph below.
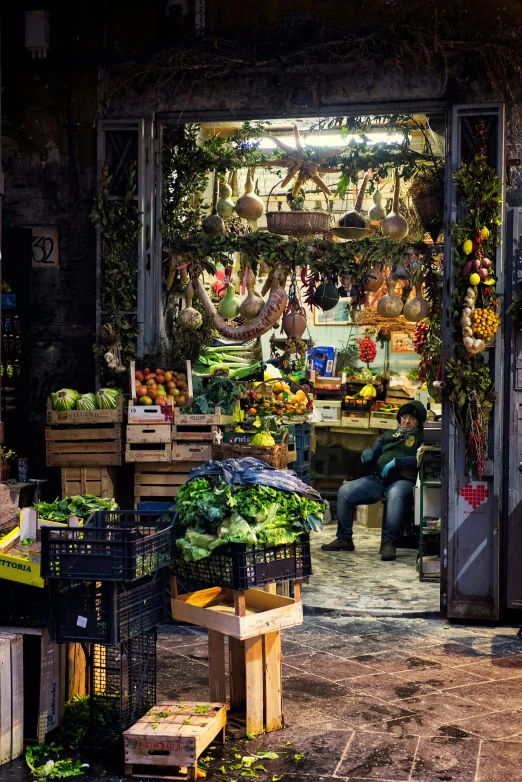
(173, 735)
(83, 417)
(72, 446)
(160, 482)
(99, 481)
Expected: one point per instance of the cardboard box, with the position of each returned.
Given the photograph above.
(322, 360)
(370, 516)
(329, 409)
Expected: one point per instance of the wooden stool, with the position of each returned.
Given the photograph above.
(173, 734)
(254, 678)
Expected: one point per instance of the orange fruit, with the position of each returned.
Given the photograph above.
(252, 411)
(278, 386)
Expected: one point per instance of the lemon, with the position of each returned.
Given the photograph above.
(490, 281)
(474, 278)
(467, 247)
(485, 232)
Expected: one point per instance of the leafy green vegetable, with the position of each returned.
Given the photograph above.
(51, 769)
(78, 505)
(214, 515)
(220, 392)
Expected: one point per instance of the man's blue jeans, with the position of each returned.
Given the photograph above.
(367, 491)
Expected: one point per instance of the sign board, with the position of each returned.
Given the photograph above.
(45, 247)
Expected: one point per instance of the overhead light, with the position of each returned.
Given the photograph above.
(329, 139)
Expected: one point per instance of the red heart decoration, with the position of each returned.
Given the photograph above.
(474, 495)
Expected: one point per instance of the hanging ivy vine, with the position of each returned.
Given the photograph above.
(119, 224)
(476, 235)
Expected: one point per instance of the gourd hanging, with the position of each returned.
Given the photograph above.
(354, 218)
(373, 280)
(377, 213)
(390, 305)
(326, 296)
(249, 205)
(213, 225)
(225, 205)
(394, 226)
(252, 305)
(417, 308)
(228, 307)
(189, 317)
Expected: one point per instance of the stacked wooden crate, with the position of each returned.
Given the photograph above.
(80, 438)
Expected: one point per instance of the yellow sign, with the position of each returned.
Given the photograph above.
(409, 441)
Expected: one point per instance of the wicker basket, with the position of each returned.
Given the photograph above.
(295, 223)
(274, 455)
(429, 208)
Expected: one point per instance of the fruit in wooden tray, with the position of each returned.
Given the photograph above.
(161, 387)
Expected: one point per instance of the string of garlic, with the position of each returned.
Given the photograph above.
(471, 344)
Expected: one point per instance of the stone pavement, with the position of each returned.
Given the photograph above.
(395, 700)
(359, 583)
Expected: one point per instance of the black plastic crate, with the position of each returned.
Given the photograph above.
(303, 435)
(116, 545)
(303, 473)
(239, 566)
(123, 680)
(302, 458)
(104, 612)
(22, 605)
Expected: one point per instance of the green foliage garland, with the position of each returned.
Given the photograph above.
(119, 225)
(471, 385)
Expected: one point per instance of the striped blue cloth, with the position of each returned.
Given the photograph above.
(254, 471)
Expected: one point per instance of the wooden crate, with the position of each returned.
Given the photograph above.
(99, 481)
(194, 433)
(139, 452)
(160, 482)
(11, 697)
(73, 446)
(191, 452)
(83, 417)
(181, 418)
(173, 734)
(217, 609)
(153, 433)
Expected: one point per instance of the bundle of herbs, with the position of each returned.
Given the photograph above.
(80, 505)
(213, 514)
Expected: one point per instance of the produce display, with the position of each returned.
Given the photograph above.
(69, 399)
(237, 361)
(211, 514)
(158, 386)
(219, 392)
(367, 350)
(283, 402)
(419, 338)
(81, 505)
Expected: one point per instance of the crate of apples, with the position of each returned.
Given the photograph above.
(160, 387)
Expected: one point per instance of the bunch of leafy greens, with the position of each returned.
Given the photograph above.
(79, 505)
(78, 729)
(214, 515)
(50, 769)
(220, 392)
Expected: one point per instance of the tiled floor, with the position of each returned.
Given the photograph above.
(359, 583)
(389, 699)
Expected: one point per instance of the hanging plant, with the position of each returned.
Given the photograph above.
(119, 225)
(472, 390)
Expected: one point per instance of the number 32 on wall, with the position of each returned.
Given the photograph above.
(45, 247)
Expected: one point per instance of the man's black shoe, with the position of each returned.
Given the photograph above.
(339, 545)
(388, 551)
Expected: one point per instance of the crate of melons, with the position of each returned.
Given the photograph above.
(156, 392)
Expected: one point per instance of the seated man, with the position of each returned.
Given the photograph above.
(395, 470)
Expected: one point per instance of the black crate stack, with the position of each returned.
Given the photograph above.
(301, 466)
(109, 593)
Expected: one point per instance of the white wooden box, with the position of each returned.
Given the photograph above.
(329, 409)
(11, 697)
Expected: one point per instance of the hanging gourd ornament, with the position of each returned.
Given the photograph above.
(252, 304)
(326, 296)
(373, 280)
(294, 321)
(225, 205)
(249, 205)
(189, 317)
(228, 307)
(213, 225)
(417, 308)
(390, 305)
(394, 226)
(377, 213)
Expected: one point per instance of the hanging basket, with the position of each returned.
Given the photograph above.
(429, 208)
(296, 223)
